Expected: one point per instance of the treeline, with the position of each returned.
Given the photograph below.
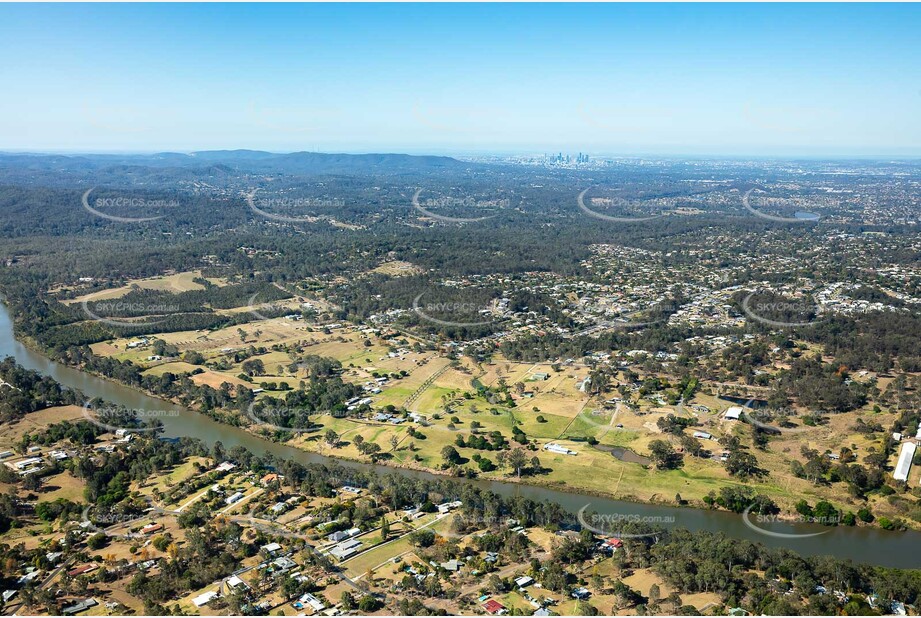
(551, 346)
(880, 341)
(821, 387)
(57, 326)
(23, 391)
(324, 392)
(455, 313)
(141, 302)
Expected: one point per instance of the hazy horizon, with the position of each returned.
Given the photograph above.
(616, 80)
(870, 156)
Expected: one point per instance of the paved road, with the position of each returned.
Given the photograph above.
(190, 502)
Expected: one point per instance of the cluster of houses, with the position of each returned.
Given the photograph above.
(28, 465)
(345, 549)
(383, 417)
(345, 545)
(374, 386)
(32, 576)
(276, 563)
(495, 608)
(357, 402)
(34, 462)
(280, 507)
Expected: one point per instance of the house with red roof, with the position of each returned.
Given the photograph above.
(151, 528)
(494, 607)
(80, 570)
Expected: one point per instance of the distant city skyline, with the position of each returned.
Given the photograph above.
(606, 80)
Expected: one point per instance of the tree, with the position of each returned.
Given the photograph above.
(369, 604)
(450, 455)
(422, 538)
(370, 449)
(743, 464)
(32, 482)
(536, 466)
(97, 541)
(332, 438)
(253, 367)
(385, 530)
(485, 465)
(517, 459)
(161, 542)
(664, 456)
(347, 600)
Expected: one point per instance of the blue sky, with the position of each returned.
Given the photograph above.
(766, 79)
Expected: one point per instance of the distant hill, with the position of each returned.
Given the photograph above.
(242, 160)
(323, 163)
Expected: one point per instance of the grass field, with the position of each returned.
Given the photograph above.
(176, 283)
(35, 421)
(442, 392)
(383, 555)
(397, 269)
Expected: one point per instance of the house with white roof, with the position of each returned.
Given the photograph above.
(205, 598)
(903, 467)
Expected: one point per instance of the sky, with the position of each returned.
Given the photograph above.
(612, 79)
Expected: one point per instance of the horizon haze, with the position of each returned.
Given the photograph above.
(690, 79)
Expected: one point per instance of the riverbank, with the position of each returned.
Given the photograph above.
(633, 487)
(593, 473)
(601, 471)
(867, 545)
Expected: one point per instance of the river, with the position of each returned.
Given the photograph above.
(869, 545)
